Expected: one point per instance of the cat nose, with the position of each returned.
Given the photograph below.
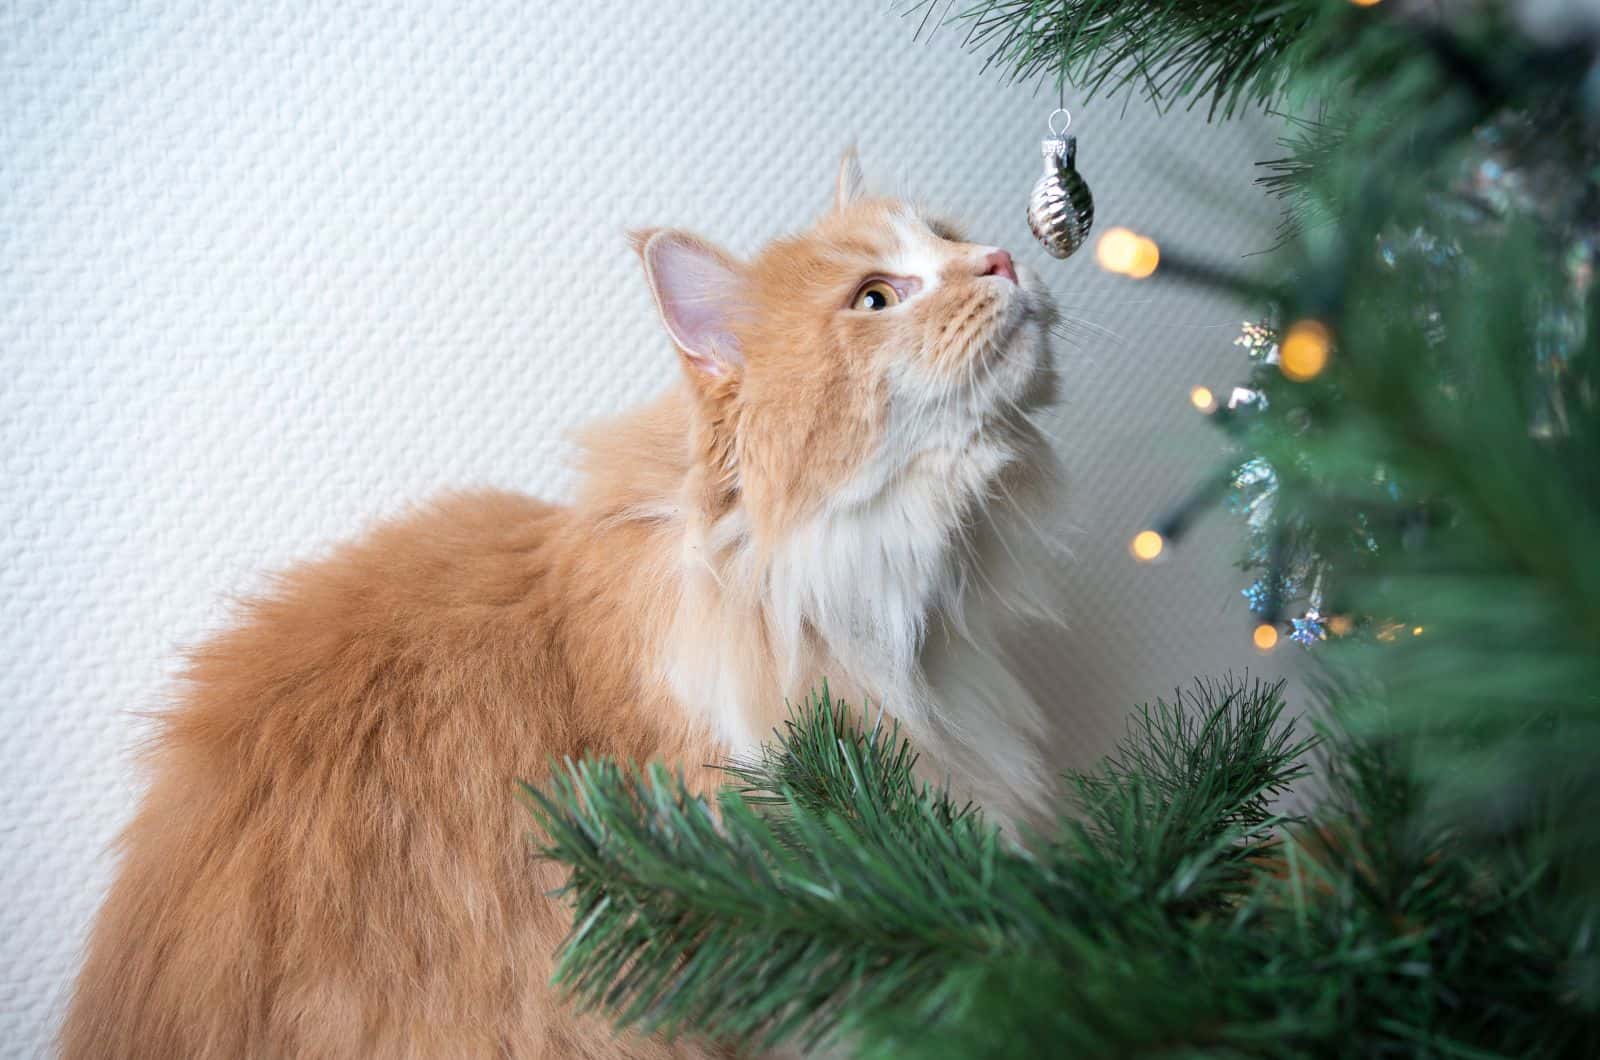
(998, 263)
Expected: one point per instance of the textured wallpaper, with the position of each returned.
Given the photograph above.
(267, 275)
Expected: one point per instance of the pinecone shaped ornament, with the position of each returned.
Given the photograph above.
(1061, 211)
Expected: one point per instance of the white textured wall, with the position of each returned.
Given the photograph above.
(265, 276)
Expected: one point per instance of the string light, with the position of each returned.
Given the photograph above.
(1127, 253)
(1116, 250)
(1265, 636)
(1148, 258)
(1303, 353)
(1416, 631)
(1340, 625)
(1147, 545)
(1366, 3)
(1203, 399)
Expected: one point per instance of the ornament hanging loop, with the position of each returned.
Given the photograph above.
(1066, 115)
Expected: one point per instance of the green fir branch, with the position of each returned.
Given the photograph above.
(1228, 53)
(928, 934)
(849, 891)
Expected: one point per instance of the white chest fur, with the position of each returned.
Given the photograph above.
(904, 602)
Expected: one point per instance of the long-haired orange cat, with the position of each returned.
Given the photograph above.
(332, 861)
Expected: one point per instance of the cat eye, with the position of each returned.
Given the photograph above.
(874, 295)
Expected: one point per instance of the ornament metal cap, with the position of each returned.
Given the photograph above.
(1064, 150)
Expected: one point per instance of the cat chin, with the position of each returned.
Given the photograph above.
(1017, 380)
(1023, 356)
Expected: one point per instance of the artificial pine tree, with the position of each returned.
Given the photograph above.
(1416, 448)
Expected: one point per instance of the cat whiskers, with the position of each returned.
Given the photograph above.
(1074, 330)
(1055, 546)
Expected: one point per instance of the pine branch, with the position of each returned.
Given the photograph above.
(1226, 52)
(1159, 923)
(738, 930)
(826, 764)
(847, 892)
(1178, 810)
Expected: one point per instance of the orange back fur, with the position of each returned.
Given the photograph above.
(331, 861)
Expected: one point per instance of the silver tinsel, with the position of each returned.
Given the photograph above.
(1061, 210)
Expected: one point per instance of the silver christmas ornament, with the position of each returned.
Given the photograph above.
(1062, 209)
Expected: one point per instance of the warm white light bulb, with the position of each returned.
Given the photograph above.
(1147, 545)
(1303, 353)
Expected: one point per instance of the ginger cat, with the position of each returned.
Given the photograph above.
(331, 860)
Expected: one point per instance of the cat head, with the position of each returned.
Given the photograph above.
(879, 346)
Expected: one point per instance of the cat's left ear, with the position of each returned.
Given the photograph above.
(850, 183)
(700, 292)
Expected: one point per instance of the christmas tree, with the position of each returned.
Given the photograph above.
(1415, 448)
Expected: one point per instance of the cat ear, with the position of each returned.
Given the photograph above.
(700, 292)
(849, 184)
